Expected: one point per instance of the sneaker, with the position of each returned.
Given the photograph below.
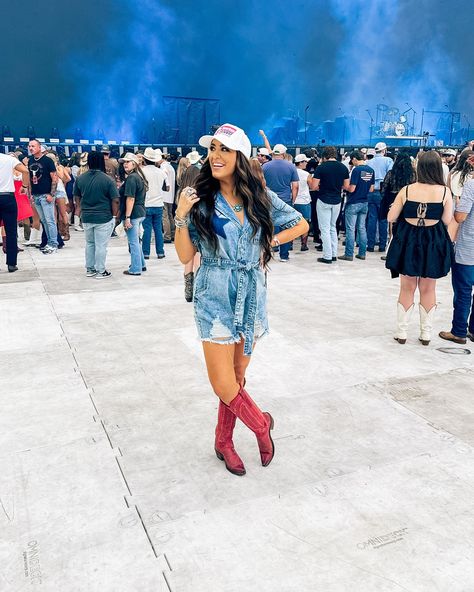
(91, 273)
(346, 258)
(143, 268)
(104, 274)
(361, 257)
(448, 336)
(146, 256)
(160, 256)
(319, 247)
(304, 248)
(49, 250)
(284, 259)
(323, 260)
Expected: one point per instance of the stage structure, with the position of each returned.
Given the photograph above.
(444, 126)
(187, 118)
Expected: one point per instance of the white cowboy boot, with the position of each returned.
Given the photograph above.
(35, 238)
(77, 224)
(403, 320)
(426, 324)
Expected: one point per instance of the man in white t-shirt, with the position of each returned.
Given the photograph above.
(8, 205)
(302, 202)
(168, 196)
(157, 183)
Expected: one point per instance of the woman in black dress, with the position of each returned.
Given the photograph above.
(421, 250)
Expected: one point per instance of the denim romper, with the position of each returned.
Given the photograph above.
(230, 285)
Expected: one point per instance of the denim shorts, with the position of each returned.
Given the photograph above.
(304, 210)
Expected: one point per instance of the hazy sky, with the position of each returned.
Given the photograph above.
(104, 64)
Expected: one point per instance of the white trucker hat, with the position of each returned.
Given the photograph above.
(231, 136)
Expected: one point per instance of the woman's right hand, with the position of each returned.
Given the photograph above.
(187, 198)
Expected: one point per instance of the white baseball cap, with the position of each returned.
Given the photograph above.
(193, 157)
(263, 152)
(301, 158)
(231, 136)
(130, 157)
(279, 149)
(380, 146)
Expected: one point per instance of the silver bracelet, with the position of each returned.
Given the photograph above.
(181, 222)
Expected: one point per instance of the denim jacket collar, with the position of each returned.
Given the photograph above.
(222, 206)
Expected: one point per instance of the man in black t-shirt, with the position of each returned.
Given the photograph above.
(97, 197)
(330, 178)
(43, 182)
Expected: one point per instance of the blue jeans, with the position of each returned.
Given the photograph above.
(356, 215)
(46, 214)
(284, 247)
(374, 222)
(304, 210)
(462, 277)
(154, 219)
(327, 218)
(97, 239)
(136, 252)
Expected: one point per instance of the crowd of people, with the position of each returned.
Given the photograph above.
(345, 197)
(229, 213)
(422, 206)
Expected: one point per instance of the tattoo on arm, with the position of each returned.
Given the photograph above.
(54, 184)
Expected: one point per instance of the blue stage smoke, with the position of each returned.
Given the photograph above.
(265, 61)
(123, 82)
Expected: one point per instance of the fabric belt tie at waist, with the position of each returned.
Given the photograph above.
(247, 283)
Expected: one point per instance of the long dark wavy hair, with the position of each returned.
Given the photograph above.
(250, 189)
(430, 169)
(402, 172)
(463, 166)
(465, 154)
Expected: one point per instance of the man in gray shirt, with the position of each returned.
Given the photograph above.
(281, 177)
(462, 273)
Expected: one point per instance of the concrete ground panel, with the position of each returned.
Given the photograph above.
(108, 478)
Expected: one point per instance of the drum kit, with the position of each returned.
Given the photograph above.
(391, 122)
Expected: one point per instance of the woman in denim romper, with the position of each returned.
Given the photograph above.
(229, 218)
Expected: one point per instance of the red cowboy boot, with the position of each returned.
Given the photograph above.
(224, 446)
(260, 423)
